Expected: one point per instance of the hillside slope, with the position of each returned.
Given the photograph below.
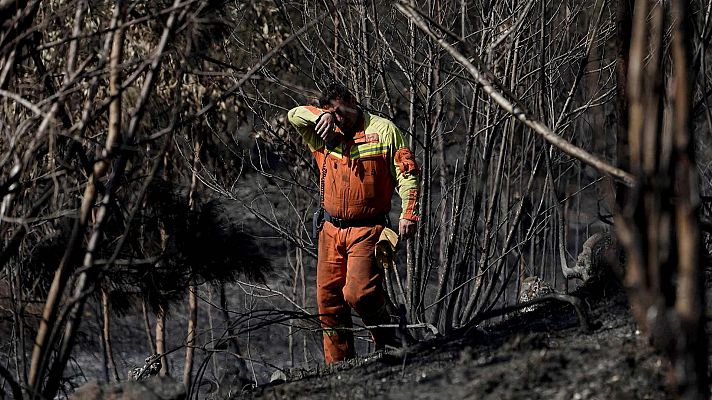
(538, 355)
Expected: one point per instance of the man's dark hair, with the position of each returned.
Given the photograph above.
(334, 91)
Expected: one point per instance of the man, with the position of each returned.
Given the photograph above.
(362, 157)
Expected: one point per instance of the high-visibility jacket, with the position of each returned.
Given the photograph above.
(362, 172)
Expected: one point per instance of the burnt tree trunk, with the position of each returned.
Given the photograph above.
(658, 225)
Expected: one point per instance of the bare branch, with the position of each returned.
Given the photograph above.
(508, 106)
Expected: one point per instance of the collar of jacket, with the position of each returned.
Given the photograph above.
(343, 146)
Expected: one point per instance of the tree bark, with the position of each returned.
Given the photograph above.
(190, 340)
(192, 290)
(161, 340)
(106, 334)
(691, 363)
(658, 225)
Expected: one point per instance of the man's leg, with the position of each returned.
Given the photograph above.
(330, 280)
(364, 289)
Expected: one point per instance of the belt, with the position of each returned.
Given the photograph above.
(355, 223)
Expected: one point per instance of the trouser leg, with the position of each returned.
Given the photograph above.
(335, 312)
(363, 290)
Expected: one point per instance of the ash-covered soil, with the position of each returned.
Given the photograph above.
(538, 355)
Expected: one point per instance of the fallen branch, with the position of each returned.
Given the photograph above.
(423, 325)
(574, 301)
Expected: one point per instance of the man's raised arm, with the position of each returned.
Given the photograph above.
(304, 119)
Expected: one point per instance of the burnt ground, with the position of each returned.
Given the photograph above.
(542, 354)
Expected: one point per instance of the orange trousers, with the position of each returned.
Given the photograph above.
(347, 278)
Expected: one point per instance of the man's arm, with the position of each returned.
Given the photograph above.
(314, 124)
(406, 171)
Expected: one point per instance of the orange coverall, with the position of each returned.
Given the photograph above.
(361, 175)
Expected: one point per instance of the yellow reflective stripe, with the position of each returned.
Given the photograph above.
(368, 149)
(336, 154)
(334, 331)
(337, 151)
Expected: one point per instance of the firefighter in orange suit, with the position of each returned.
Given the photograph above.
(362, 159)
